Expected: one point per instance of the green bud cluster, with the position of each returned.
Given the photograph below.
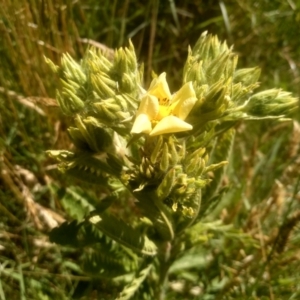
(180, 191)
(159, 155)
(174, 173)
(224, 92)
(210, 66)
(107, 90)
(125, 69)
(73, 80)
(272, 102)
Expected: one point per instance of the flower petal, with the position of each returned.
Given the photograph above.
(142, 124)
(170, 124)
(183, 101)
(149, 106)
(159, 87)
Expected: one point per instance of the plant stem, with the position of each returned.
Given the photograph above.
(165, 263)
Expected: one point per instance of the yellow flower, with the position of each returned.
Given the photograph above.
(160, 112)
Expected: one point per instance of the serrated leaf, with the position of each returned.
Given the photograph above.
(124, 234)
(86, 174)
(75, 202)
(132, 287)
(104, 264)
(65, 234)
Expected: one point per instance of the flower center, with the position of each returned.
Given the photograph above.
(164, 109)
(163, 101)
(163, 112)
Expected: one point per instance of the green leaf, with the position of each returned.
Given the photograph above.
(104, 264)
(65, 234)
(75, 202)
(76, 234)
(124, 234)
(132, 287)
(84, 165)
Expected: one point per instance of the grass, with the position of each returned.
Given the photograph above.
(263, 175)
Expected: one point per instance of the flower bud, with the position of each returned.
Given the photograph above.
(157, 149)
(164, 162)
(166, 185)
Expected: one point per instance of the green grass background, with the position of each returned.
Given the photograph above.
(262, 178)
